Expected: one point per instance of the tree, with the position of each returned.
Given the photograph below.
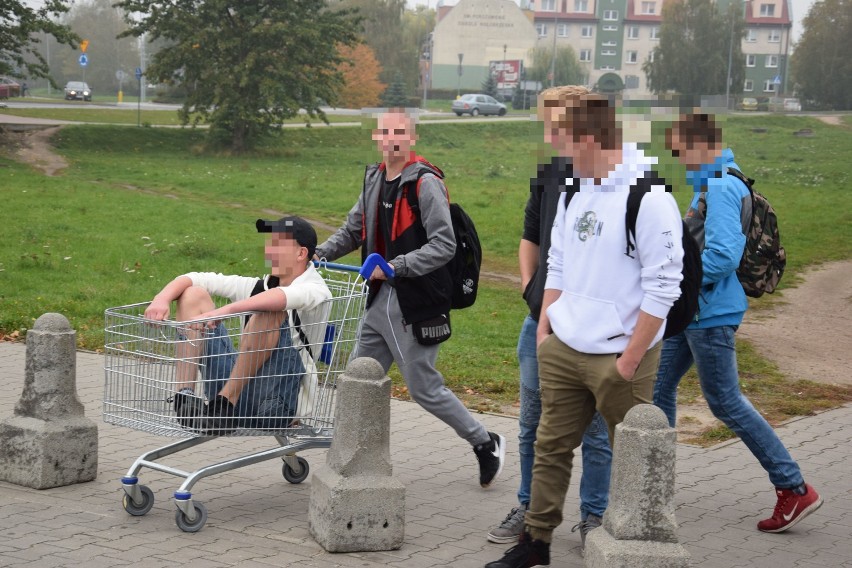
(99, 23)
(695, 41)
(821, 67)
(247, 65)
(20, 26)
(567, 68)
(489, 86)
(394, 95)
(381, 28)
(361, 70)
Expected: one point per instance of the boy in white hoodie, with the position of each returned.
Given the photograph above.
(604, 306)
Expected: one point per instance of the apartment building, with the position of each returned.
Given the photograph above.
(612, 40)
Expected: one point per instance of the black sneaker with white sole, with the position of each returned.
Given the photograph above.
(491, 456)
(526, 554)
(187, 406)
(218, 417)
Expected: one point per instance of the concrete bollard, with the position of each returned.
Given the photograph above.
(639, 527)
(356, 505)
(48, 441)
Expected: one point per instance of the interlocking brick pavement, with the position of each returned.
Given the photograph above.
(258, 520)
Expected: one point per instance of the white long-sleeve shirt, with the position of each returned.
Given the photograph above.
(602, 288)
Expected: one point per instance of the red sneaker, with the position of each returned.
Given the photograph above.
(790, 509)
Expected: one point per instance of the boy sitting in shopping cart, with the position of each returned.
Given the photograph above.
(256, 385)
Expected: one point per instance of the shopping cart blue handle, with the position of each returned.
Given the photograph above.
(372, 262)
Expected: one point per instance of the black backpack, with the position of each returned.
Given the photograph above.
(465, 265)
(683, 311)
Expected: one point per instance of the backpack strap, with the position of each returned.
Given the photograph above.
(742, 177)
(634, 199)
(297, 323)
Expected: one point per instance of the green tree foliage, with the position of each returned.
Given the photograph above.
(394, 95)
(489, 86)
(247, 65)
(99, 23)
(567, 68)
(695, 39)
(821, 66)
(21, 29)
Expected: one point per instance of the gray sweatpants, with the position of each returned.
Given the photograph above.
(385, 339)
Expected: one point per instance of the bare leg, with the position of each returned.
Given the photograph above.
(259, 338)
(193, 302)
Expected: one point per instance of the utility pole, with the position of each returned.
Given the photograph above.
(142, 84)
(553, 59)
(427, 68)
(730, 57)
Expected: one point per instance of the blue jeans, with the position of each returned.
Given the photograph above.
(270, 398)
(713, 351)
(597, 455)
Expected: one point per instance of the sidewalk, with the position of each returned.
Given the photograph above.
(258, 520)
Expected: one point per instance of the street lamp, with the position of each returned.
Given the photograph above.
(427, 67)
(458, 88)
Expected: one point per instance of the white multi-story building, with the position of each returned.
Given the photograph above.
(612, 40)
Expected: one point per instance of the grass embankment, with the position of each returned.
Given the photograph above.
(139, 206)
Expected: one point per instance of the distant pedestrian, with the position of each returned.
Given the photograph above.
(25, 90)
(696, 142)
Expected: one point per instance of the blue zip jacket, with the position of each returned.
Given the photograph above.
(722, 300)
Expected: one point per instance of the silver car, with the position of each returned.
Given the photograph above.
(476, 104)
(77, 90)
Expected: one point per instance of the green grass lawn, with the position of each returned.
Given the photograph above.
(137, 207)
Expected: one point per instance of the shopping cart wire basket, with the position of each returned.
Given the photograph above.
(289, 395)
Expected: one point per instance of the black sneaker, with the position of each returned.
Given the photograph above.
(187, 406)
(218, 417)
(491, 456)
(591, 522)
(526, 554)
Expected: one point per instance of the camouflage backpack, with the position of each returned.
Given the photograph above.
(764, 259)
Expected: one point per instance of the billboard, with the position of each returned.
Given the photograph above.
(507, 73)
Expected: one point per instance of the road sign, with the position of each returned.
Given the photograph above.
(84, 60)
(84, 45)
(120, 75)
(138, 73)
(777, 79)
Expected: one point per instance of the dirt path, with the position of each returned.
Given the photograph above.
(808, 334)
(33, 147)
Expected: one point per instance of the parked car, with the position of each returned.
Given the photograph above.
(476, 104)
(77, 90)
(747, 103)
(792, 105)
(9, 88)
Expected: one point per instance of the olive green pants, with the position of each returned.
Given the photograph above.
(573, 386)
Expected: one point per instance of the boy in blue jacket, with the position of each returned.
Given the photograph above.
(696, 142)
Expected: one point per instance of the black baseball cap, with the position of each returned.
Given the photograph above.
(301, 231)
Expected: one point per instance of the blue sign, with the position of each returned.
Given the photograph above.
(84, 60)
(138, 73)
(777, 79)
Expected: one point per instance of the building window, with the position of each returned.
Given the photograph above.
(749, 86)
(649, 7)
(562, 30)
(655, 32)
(548, 5)
(607, 52)
(633, 32)
(586, 31)
(632, 56)
(609, 44)
(772, 61)
(768, 86)
(581, 5)
(610, 28)
(651, 55)
(751, 35)
(541, 29)
(767, 10)
(585, 55)
(774, 36)
(607, 68)
(610, 15)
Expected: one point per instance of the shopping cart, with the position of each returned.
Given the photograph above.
(147, 362)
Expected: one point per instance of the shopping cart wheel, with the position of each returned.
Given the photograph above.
(296, 475)
(144, 506)
(186, 525)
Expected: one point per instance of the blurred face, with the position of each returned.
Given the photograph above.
(690, 155)
(394, 136)
(286, 257)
